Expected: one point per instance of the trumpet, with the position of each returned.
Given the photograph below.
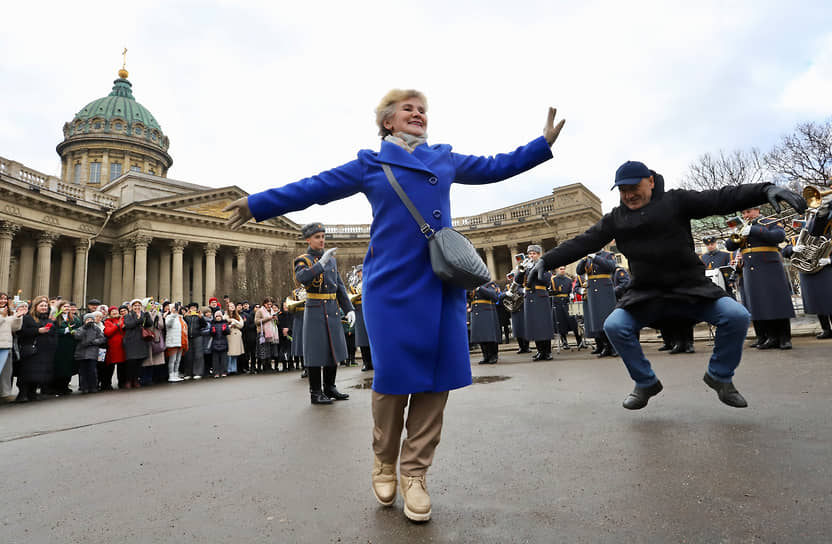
(355, 281)
(783, 217)
(298, 302)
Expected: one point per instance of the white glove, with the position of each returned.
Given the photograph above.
(66, 330)
(328, 254)
(746, 230)
(591, 256)
(823, 261)
(799, 248)
(351, 316)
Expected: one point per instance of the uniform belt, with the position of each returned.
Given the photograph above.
(761, 248)
(598, 276)
(561, 295)
(321, 296)
(541, 287)
(482, 301)
(300, 309)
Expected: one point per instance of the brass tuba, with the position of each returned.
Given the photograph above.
(299, 301)
(513, 299)
(816, 246)
(355, 281)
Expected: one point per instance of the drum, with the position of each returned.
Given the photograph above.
(716, 277)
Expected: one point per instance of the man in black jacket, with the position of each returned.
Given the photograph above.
(651, 228)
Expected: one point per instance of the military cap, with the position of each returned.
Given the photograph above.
(312, 228)
(534, 247)
(709, 240)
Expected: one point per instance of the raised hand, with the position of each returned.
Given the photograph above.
(240, 213)
(328, 254)
(550, 130)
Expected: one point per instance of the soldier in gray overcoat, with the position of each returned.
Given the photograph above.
(537, 310)
(362, 340)
(767, 289)
(324, 345)
(485, 324)
(297, 332)
(599, 296)
(561, 289)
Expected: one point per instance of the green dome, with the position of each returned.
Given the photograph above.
(119, 104)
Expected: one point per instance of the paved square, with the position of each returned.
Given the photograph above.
(546, 455)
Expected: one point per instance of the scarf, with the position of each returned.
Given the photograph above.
(408, 142)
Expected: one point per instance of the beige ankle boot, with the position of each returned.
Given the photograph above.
(384, 482)
(416, 498)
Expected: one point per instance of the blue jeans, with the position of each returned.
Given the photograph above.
(729, 316)
(232, 364)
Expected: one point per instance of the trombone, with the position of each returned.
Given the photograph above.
(785, 217)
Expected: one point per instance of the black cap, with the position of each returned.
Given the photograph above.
(709, 240)
(311, 228)
(94, 301)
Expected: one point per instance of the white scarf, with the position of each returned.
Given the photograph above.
(408, 142)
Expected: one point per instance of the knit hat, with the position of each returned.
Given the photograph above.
(111, 308)
(90, 315)
(534, 247)
(213, 299)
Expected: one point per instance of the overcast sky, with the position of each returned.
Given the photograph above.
(259, 94)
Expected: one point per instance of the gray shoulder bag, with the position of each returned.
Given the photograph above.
(452, 256)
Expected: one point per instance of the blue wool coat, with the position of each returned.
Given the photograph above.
(416, 323)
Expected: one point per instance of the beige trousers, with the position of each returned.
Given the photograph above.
(424, 426)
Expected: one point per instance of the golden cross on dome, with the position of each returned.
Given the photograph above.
(124, 56)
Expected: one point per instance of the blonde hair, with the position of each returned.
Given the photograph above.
(387, 107)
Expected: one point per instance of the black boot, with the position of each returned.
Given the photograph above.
(317, 396)
(599, 346)
(785, 336)
(367, 358)
(524, 345)
(329, 384)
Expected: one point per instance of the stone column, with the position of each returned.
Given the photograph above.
(268, 276)
(153, 275)
(164, 275)
(45, 240)
(108, 278)
(140, 241)
(196, 282)
(7, 232)
(65, 276)
(211, 270)
(241, 268)
(177, 247)
(26, 270)
(492, 264)
(116, 254)
(79, 285)
(128, 270)
(13, 276)
(228, 272)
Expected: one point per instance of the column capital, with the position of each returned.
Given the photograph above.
(211, 249)
(141, 240)
(81, 244)
(241, 251)
(8, 229)
(47, 238)
(178, 246)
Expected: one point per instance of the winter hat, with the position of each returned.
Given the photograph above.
(213, 299)
(90, 315)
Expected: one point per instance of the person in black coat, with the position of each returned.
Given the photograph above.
(250, 339)
(38, 342)
(651, 228)
(88, 340)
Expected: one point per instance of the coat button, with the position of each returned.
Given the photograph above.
(432, 180)
(437, 214)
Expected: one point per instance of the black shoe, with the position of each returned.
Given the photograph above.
(366, 367)
(543, 357)
(677, 348)
(785, 343)
(640, 395)
(607, 351)
(726, 391)
(665, 347)
(824, 334)
(304, 374)
(537, 356)
(318, 397)
(689, 348)
(334, 394)
(770, 343)
(521, 350)
(598, 349)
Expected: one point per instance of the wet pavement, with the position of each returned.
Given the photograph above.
(533, 452)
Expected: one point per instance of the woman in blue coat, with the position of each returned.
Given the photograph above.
(400, 292)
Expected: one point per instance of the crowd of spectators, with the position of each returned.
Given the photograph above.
(45, 342)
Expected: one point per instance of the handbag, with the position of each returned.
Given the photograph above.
(452, 256)
(147, 334)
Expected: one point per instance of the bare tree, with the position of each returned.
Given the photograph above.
(735, 168)
(803, 157)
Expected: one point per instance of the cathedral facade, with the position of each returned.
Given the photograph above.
(113, 226)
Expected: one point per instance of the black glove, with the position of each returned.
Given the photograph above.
(536, 273)
(776, 194)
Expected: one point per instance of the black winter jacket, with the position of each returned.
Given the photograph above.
(657, 241)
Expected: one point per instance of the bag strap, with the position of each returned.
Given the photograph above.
(423, 225)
